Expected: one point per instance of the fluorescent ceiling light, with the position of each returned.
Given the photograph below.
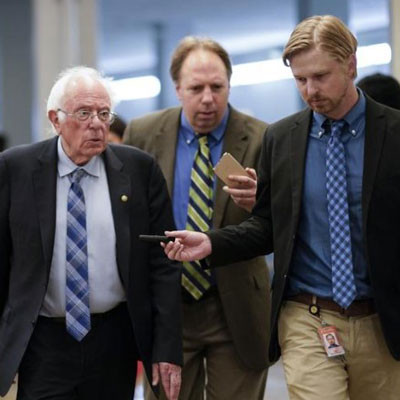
(273, 70)
(142, 87)
(375, 54)
(252, 73)
(259, 72)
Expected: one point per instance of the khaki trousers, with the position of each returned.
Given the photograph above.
(367, 371)
(212, 369)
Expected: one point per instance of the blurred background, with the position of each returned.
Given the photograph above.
(132, 40)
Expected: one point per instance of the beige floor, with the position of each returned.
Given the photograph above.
(276, 387)
(276, 384)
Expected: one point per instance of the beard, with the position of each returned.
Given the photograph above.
(327, 105)
(322, 105)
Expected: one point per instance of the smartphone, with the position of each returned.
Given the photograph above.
(156, 238)
(228, 165)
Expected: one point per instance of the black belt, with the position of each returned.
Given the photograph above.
(95, 319)
(357, 307)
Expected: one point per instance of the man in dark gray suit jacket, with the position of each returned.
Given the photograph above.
(81, 298)
(328, 206)
(225, 332)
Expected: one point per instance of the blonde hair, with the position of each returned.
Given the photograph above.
(324, 32)
(190, 43)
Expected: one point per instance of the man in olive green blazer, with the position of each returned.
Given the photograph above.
(234, 343)
(244, 287)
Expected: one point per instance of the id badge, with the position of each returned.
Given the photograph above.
(331, 341)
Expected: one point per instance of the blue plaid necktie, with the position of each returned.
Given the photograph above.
(195, 279)
(77, 279)
(343, 286)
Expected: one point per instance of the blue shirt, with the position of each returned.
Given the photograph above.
(311, 270)
(185, 152)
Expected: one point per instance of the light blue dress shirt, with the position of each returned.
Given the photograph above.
(185, 152)
(105, 287)
(311, 264)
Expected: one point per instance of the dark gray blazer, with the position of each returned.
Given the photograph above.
(28, 176)
(273, 225)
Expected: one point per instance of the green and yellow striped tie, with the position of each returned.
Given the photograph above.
(195, 279)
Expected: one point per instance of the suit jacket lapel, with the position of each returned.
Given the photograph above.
(165, 146)
(298, 149)
(375, 131)
(119, 186)
(45, 188)
(236, 141)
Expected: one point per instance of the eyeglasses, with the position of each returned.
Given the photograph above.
(83, 115)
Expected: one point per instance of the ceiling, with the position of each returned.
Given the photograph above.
(127, 27)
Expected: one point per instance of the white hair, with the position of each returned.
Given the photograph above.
(58, 91)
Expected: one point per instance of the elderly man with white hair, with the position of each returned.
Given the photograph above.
(81, 298)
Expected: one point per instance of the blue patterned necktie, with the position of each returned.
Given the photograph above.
(195, 279)
(77, 279)
(343, 286)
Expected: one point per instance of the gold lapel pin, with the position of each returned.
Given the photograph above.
(124, 198)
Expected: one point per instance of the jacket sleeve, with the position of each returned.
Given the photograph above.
(164, 278)
(5, 240)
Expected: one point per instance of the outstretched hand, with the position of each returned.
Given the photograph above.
(188, 246)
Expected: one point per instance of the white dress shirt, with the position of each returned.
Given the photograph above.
(105, 287)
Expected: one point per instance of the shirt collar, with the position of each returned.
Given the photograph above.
(352, 118)
(215, 135)
(66, 165)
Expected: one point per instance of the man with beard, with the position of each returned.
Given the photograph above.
(328, 207)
